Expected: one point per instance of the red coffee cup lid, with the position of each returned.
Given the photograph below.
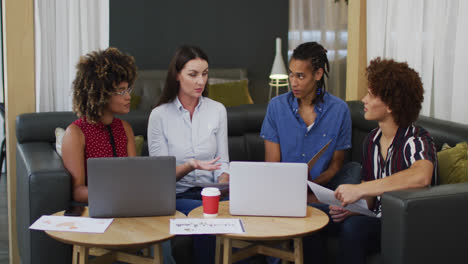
(210, 191)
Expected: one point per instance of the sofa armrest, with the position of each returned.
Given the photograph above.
(43, 188)
(426, 225)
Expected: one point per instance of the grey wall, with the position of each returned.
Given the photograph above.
(237, 33)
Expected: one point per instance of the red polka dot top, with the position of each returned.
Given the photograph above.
(98, 139)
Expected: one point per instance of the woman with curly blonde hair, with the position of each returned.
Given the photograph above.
(101, 90)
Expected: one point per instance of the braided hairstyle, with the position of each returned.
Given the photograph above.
(98, 76)
(316, 55)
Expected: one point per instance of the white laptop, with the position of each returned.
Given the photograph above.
(268, 189)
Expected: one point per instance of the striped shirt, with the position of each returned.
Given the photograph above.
(409, 145)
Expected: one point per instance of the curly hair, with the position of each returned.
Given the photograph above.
(98, 76)
(398, 86)
(316, 55)
(182, 55)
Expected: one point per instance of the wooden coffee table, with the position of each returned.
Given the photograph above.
(262, 232)
(121, 239)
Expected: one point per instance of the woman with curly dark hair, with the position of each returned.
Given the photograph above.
(101, 90)
(397, 155)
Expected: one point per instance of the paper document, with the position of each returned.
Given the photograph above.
(71, 224)
(327, 196)
(188, 226)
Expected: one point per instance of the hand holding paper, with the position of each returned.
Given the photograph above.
(327, 196)
(347, 194)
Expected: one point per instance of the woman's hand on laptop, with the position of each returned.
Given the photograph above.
(209, 165)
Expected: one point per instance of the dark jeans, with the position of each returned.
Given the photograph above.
(313, 244)
(189, 200)
(203, 245)
(357, 235)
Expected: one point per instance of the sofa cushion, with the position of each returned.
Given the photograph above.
(59, 132)
(139, 140)
(151, 90)
(135, 101)
(231, 93)
(236, 147)
(255, 147)
(453, 164)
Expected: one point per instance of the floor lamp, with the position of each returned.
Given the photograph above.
(279, 75)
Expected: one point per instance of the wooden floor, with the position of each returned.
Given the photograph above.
(3, 221)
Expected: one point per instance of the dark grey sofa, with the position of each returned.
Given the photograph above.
(425, 225)
(44, 186)
(420, 225)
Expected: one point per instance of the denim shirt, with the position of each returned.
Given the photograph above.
(284, 125)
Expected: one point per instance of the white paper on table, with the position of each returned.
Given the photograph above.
(188, 226)
(327, 196)
(71, 224)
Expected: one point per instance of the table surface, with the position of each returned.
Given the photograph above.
(271, 228)
(122, 233)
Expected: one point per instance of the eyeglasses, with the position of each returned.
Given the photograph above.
(123, 92)
(298, 75)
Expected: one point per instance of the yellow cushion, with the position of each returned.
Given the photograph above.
(135, 101)
(139, 144)
(453, 164)
(230, 93)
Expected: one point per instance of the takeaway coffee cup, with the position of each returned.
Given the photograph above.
(210, 196)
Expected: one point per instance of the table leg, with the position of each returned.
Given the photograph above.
(83, 254)
(298, 256)
(227, 248)
(219, 245)
(146, 251)
(158, 254)
(75, 255)
(285, 246)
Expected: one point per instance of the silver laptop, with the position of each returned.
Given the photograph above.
(268, 189)
(132, 186)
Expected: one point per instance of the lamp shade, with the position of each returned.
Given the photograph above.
(278, 71)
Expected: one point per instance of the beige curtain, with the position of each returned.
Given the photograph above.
(65, 30)
(326, 22)
(430, 35)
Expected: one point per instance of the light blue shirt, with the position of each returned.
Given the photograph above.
(172, 133)
(284, 125)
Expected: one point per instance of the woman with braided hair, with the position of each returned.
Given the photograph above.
(299, 123)
(101, 90)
